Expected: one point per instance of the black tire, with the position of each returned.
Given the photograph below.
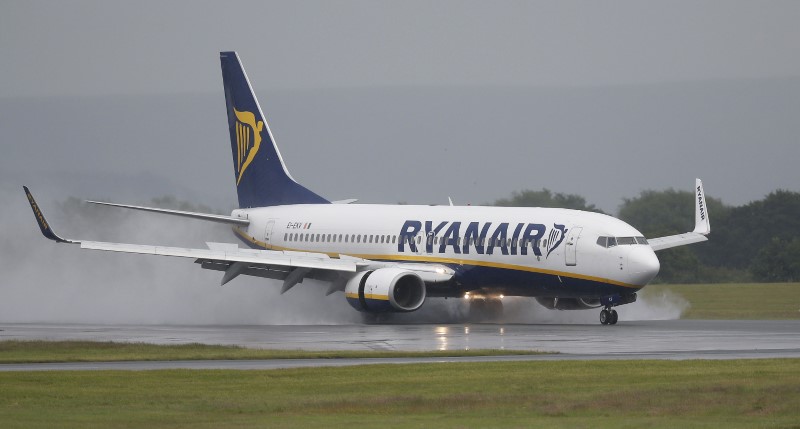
(614, 317)
(605, 317)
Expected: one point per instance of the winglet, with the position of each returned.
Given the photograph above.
(43, 225)
(702, 225)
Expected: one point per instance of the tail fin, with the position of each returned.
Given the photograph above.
(261, 176)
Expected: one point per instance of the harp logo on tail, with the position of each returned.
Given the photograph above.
(248, 140)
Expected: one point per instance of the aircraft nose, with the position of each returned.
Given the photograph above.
(643, 264)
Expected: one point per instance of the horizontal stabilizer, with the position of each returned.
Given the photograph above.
(193, 215)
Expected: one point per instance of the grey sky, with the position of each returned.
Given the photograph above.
(472, 100)
(113, 47)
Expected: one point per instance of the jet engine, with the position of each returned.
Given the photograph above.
(385, 290)
(569, 303)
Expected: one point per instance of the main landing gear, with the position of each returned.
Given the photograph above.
(608, 316)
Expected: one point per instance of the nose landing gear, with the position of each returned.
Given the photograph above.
(608, 316)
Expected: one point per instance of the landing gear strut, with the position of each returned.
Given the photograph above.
(608, 316)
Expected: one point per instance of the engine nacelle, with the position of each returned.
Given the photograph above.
(569, 303)
(385, 290)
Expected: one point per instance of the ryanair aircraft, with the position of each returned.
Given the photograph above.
(391, 258)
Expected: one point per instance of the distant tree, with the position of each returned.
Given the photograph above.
(659, 213)
(750, 228)
(753, 241)
(778, 261)
(678, 265)
(546, 198)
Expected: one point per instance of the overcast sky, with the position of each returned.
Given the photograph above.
(662, 91)
(113, 47)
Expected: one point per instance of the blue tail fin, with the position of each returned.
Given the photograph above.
(261, 177)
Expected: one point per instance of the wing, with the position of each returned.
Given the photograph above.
(702, 225)
(291, 267)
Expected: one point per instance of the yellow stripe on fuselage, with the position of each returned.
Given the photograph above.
(440, 260)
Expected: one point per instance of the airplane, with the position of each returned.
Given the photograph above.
(392, 258)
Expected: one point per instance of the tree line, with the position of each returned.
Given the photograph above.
(758, 241)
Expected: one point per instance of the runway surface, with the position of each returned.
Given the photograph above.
(673, 339)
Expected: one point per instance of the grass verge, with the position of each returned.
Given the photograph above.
(88, 351)
(734, 301)
(741, 393)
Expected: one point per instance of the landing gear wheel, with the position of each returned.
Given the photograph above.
(605, 317)
(614, 317)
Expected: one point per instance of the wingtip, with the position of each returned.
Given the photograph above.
(702, 222)
(47, 231)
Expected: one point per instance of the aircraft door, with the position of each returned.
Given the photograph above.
(571, 243)
(268, 231)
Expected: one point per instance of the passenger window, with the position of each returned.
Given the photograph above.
(394, 237)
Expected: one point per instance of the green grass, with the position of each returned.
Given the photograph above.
(626, 394)
(735, 300)
(88, 351)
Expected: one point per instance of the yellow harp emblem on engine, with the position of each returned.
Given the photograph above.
(248, 141)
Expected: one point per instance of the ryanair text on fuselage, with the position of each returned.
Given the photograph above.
(476, 237)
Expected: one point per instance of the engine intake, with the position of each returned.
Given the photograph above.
(385, 290)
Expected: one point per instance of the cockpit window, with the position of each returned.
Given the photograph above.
(626, 240)
(608, 242)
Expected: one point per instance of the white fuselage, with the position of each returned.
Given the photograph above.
(519, 251)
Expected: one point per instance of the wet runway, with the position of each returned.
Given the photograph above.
(671, 339)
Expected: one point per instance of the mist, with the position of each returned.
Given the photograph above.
(45, 282)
